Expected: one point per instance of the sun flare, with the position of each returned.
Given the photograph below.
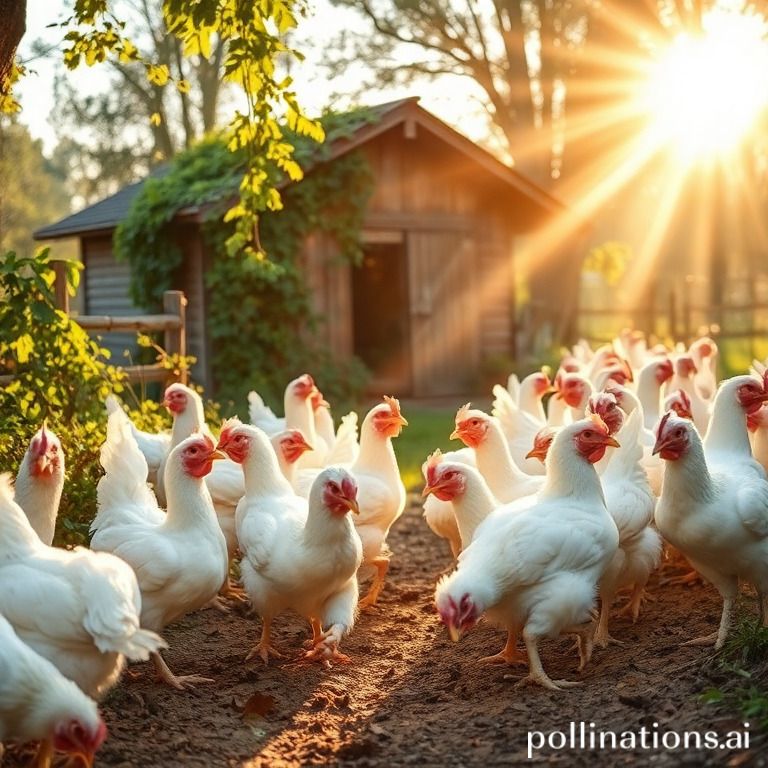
(705, 92)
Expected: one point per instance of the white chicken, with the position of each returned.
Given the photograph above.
(537, 570)
(726, 443)
(381, 493)
(519, 428)
(288, 446)
(154, 446)
(472, 505)
(705, 355)
(684, 380)
(224, 481)
(650, 379)
(718, 519)
(77, 608)
(630, 502)
(180, 557)
(296, 554)
(483, 433)
(299, 414)
(186, 408)
(40, 481)
(37, 703)
(629, 402)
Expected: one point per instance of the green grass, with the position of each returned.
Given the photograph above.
(428, 428)
(742, 666)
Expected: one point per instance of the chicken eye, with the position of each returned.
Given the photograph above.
(589, 433)
(679, 432)
(333, 488)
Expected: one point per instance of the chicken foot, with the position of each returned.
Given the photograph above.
(509, 654)
(232, 591)
(381, 564)
(686, 580)
(536, 674)
(637, 599)
(717, 638)
(602, 636)
(264, 648)
(179, 682)
(326, 648)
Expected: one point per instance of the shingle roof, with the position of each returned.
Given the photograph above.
(104, 215)
(108, 213)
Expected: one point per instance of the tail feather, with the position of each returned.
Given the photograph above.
(141, 644)
(123, 493)
(262, 416)
(625, 461)
(345, 448)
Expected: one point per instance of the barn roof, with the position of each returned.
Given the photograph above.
(105, 215)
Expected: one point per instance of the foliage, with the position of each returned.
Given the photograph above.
(253, 38)
(31, 192)
(60, 375)
(56, 367)
(742, 667)
(113, 137)
(259, 313)
(609, 260)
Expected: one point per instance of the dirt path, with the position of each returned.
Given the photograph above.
(410, 696)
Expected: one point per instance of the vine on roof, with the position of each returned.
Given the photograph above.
(260, 320)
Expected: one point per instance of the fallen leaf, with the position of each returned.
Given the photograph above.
(258, 704)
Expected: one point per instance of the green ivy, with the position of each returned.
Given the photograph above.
(259, 314)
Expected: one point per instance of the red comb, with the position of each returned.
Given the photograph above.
(393, 403)
(662, 424)
(431, 465)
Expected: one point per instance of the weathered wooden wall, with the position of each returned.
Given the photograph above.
(460, 259)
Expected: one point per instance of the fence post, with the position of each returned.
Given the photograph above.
(60, 286)
(673, 315)
(175, 303)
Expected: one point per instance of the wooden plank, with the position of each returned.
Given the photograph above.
(164, 322)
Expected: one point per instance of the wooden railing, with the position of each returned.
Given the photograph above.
(172, 323)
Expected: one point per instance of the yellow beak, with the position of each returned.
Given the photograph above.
(217, 454)
(455, 633)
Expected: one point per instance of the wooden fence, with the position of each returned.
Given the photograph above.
(172, 323)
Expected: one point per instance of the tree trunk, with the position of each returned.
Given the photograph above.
(13, 14)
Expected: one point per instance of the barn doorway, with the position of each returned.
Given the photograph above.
(381, 313)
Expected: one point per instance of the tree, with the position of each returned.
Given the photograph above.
(13, 13)
(114, 137)
(253, 36)
(31, 192)
(547, 67)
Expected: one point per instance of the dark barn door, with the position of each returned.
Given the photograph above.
(380, 317)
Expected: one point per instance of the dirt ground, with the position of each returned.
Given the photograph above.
(412, 697)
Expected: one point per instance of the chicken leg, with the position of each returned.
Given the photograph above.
(381, 564)
(509, 654)
(718, 638)
(636, 600)
(180, 682)
(536, 674)
(264, 648)
(326, 648)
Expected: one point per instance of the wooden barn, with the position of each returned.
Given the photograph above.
(434, 295)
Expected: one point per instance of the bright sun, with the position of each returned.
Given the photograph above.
(705, 92)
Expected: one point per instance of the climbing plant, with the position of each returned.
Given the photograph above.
(260, 320)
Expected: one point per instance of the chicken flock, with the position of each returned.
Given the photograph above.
(551, 514)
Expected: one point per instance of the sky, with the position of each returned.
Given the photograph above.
(452, 102)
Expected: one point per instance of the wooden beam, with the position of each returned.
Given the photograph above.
(132, 323)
